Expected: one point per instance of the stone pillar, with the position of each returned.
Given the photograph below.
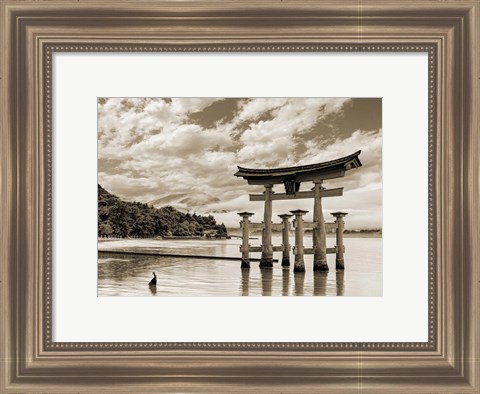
(299, 265)
(319, 232)
(245, 248)
(285, 239)
(267, 248)
(339, 261)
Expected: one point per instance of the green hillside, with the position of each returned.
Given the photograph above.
(134, 219)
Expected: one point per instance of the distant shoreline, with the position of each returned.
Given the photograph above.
(358, 235)
(329, 235)
(235, 236)
(349, 234)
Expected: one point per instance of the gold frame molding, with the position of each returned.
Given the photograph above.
(32, 31)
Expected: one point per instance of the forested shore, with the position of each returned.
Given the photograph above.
(118, 218)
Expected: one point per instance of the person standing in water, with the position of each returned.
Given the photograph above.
(153, 282)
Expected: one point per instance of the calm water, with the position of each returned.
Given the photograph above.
(128, 275)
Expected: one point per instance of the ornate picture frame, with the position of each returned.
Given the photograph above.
(33, 31)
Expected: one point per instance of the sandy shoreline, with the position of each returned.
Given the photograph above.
(235, 236)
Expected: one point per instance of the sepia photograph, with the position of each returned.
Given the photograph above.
(240, 196)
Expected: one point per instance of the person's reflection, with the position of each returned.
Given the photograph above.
(340, 282)
(153, 289)
(245, 281)
(299, 282)
(320, 283)
(285, 281)
(267, 276)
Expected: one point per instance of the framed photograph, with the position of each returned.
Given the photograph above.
(184, 158)
(236, 197)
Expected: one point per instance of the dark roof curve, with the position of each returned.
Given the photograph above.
(347, 163)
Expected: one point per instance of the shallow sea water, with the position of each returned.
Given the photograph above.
(128, 275)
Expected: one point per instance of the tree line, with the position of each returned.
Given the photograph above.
(118, 218)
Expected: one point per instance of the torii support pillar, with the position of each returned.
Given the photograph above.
(299, 265)
(319, 232)
(339, 261)
(267, 248)
(245, 234)
(285, 240)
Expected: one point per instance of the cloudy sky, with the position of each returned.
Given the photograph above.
(184, 151)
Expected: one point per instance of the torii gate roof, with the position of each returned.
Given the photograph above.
(325, 170)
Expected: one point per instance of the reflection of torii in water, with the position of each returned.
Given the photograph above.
(291, 178)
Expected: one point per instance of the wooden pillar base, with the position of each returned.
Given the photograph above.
(285, 261)
(266, 262)
(340, 264)
(245, 264)
(320, 266)
(299, 267)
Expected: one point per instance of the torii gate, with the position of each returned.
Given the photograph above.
(292, 177)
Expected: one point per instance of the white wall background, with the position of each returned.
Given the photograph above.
(400, 315)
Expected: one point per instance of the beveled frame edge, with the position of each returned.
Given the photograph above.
(29, 363)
